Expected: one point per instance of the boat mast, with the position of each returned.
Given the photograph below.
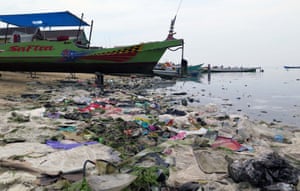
(184, 62)
(171, 31)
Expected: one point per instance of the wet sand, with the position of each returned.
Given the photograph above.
(16, 82)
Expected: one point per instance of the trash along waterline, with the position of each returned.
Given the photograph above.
(248, 93)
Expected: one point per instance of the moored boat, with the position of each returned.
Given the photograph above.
(230, 69)
(169, 69)
(194, 70)
(72, 55)
(291, 67)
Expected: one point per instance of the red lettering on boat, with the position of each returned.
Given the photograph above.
(29, 48)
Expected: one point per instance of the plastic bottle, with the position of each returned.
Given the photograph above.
(278, 137)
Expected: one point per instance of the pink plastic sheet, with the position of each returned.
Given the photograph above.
(228, 143)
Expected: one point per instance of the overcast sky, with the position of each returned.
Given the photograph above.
(217, 32)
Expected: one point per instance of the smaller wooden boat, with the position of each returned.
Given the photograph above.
(169, 69)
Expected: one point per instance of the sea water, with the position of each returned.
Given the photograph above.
(272, 95)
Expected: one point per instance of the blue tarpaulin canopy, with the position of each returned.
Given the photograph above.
(54, 19)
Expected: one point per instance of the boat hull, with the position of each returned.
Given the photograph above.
(216, 70)
(46, 56)
(292, 67)
(111, 68)
(167, 73)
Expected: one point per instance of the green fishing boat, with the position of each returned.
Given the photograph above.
(75, 55)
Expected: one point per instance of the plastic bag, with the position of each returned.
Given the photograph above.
(266, 171)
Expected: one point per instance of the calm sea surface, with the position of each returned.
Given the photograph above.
(271, 96)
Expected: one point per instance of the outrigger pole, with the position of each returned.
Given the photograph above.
(79, 26)
(6, 33)
(90, 36)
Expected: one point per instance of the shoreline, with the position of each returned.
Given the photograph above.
(250, 94)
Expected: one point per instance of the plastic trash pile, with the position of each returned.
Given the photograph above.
(158, 141)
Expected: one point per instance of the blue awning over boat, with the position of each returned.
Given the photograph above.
(53, 19)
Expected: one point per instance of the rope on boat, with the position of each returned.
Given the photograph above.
(179, 5)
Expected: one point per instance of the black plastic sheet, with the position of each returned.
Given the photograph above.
(266, 172)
